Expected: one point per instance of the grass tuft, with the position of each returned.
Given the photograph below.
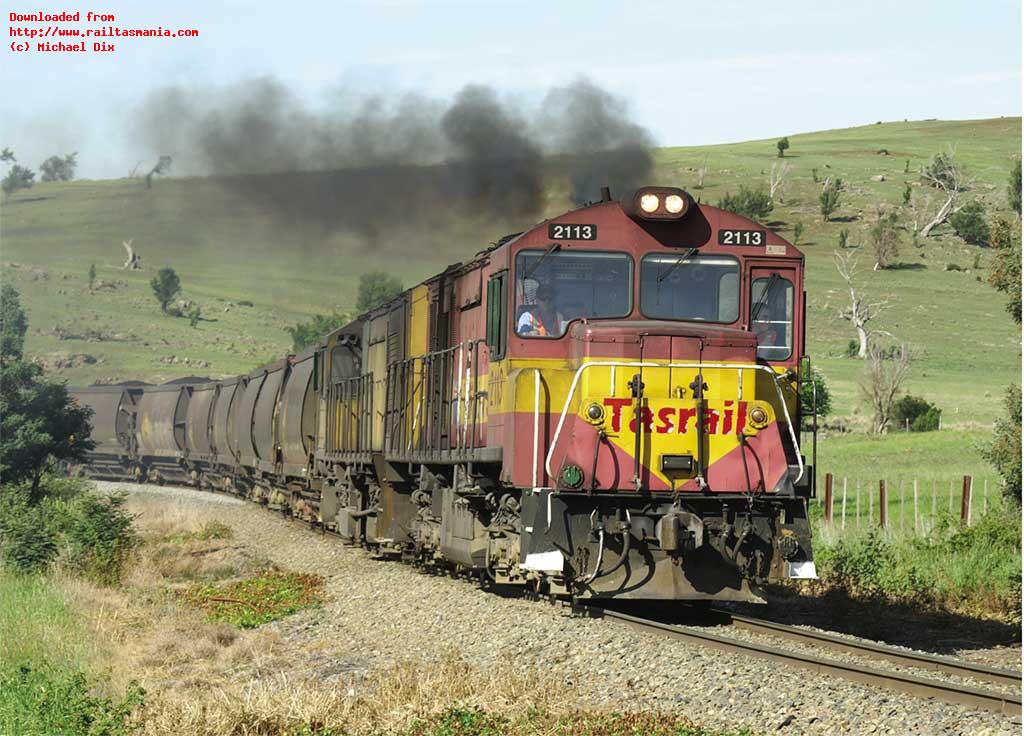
(257, 600)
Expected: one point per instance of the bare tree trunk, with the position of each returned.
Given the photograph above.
(862, 335)
(940, 218)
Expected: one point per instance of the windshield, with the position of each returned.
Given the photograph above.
(555, 287)
(690, 287)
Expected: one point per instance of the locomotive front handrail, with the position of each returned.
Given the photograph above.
(646, 364)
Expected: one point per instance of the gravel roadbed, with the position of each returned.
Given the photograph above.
(379, 612)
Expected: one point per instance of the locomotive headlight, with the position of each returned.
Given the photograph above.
(595, 413)
(649, 203)
(657, 203)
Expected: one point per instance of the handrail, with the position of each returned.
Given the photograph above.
(647, 364)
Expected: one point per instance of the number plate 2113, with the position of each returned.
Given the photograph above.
(574, 231)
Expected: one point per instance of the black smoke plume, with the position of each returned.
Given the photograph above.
(367, 166)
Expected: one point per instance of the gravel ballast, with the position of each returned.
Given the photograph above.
(379, 612)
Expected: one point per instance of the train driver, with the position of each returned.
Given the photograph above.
(541, 319)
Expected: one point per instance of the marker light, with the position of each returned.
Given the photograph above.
(673, 203)
(649, 203)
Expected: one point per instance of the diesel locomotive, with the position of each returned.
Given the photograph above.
(604, 406)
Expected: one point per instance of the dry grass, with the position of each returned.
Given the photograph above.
(389, 702)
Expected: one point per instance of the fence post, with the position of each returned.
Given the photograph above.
(935, 501)
(915, 507)
(871, 506)
(828, 498)
(965, 501)
(883, 504)
(857, 497)
(901, 504)
(951, 495)
(842, 524)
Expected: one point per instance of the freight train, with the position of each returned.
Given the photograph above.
(604, 406)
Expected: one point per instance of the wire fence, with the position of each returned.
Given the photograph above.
(904, 505)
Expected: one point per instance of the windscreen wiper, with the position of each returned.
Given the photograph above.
(772, 281)
(555, 247)
(664, 274)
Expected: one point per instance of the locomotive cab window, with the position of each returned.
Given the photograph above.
(497, 314)
(771, 316)
(685, 286)
(555, 287)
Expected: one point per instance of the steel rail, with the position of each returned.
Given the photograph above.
(950, 692)
(873, 650)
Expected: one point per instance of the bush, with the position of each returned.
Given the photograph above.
(828, 200)
(52, 700)
(817, 386)
(28, 542)
(798, 231)
(852, 349)
(844, 238)
(1013, 187)
(916, 413)
(884, 236)
(376, 288)
(1005, 451)
(970, 224)
(100, 537)
(750, 203)
(305, 334)
(166, 286)
(783, 145)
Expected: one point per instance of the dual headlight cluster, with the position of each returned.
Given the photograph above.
(657, 203)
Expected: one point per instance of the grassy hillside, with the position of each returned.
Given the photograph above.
(227, 250)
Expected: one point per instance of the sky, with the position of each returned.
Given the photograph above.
(691, 73)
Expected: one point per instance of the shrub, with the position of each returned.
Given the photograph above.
(1004, 271)
(828, 200)
(376, 288)
(844, 238)
(885, 239)
(194, 315)
(750, 203)
(852, 349)
(798, 231)
(1005, 451)
(817, 386)
(1013, 187)
(907, 191)
(100, 537)
(92, 275)
(970, 224)
(52, 700)
(166, 286)
(814, 175)
(305, 334)
(28, 542)
(782, 144)
(916, 413)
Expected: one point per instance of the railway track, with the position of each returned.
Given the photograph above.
(999, 701)
(992, 699)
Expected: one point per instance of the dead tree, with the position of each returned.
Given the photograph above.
(133, 262)
(884, 374)
(860, 312)
(162, 167)
(920, 206)
(777, 179)
(701, 173)
(946, 175)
